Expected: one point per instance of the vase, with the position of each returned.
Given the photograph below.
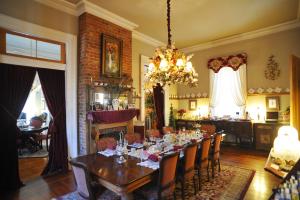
(115, 104)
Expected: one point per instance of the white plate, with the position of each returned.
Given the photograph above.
(260, 90)
(269, 90)
(204, 94)
(251, 91)
(277, 89)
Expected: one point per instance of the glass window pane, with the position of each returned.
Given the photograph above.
(48, 50)
(20, 45)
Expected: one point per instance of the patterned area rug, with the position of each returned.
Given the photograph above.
(230, 184)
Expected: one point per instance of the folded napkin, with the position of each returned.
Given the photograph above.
(136, 145)
(193, 140)
(177, 147)
(107, 152)
(149, 164)
(153, 157)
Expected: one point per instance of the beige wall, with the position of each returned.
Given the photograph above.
(281, 45)
(34, 12)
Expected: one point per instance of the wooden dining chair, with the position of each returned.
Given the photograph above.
(88, 189)
(153, 133)
(165, 187)
(186, 170)
(215, 152)
(167, 129)
(209, 129)
(203, 159)
(133, 137)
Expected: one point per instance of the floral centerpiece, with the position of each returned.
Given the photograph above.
(181, 112)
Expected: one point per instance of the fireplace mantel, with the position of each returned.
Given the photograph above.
(101, 120)
(114, 116)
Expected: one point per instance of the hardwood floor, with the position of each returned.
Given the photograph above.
(40, 188)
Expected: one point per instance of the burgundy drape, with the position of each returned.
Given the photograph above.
(15, 85)
(53, 86)
(158, 95)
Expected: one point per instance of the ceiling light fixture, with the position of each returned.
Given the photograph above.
(170, 66)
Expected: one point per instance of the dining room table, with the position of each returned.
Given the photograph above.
(28, 135)
(123, 178)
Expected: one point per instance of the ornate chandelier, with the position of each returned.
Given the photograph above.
(170, 66)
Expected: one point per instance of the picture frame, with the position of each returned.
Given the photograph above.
(273, 103)
(192, 104)
(112, 50)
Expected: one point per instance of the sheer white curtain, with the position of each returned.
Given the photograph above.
(228, 91)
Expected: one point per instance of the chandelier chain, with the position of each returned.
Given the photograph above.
(169, 22)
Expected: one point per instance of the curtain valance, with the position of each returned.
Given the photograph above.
(233, 61)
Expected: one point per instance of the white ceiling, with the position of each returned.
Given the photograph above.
(199, 21)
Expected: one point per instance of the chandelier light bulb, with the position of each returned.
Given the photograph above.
(151, 67)
(179, 62)
(163, 64)
(189, 66)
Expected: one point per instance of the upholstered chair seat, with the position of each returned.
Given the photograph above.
(86, 187)
(165, 187)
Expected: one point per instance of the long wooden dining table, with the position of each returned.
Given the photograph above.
(122, 179)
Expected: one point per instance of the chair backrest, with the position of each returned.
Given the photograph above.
(208, 128)
(204, 152)
(190, 152)
(83, 180)
(167, 129)
(36, 122)
(167, 173)
(153, 133)
(216, 146)
(133, 137)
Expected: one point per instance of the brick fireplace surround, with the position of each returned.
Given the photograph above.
(90, 31)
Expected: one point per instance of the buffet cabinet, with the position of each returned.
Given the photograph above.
(238, 132)
(265, 134)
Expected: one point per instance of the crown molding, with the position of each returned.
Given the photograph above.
(86, 6)
(60, 5)
(244, 36)
(147, 39)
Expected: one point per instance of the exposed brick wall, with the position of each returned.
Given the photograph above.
(90, 31)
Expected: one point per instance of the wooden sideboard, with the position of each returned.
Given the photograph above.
(236, 131)
(264, 134)
(260, 135)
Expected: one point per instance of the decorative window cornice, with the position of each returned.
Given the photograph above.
(233, 61)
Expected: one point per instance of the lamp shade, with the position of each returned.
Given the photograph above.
(286, 144)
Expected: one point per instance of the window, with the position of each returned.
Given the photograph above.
(228, 92)
(22, 45)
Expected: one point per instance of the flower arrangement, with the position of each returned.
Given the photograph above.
(181, 112)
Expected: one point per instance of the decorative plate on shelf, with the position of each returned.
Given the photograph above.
(193, 95)
(260, 90)
(287, 90)
(199, 95)
(277, 89)
(269, 90)
(204, 94)
(251, 91)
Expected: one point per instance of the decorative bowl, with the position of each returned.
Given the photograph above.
(204, 94)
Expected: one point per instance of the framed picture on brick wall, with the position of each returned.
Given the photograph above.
(111, 56)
